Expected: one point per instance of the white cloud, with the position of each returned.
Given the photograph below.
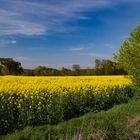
(77, 49)
(97, 55)
(10, 26)
(84, 18)
(22, 17)
(6, 42)
(82, 47)
(22, 58)
(111, 46)
(13, 41)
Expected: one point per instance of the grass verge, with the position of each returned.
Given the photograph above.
(122, 122)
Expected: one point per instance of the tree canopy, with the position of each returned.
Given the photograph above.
(8, 66)
(128, 56)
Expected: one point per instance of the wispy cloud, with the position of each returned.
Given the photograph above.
(77, 49)
(6, 42)
(13, 41)
(110, 46)
(22, 17)
(97, 55)
(22, 58)
(12, 26)
(82, 47)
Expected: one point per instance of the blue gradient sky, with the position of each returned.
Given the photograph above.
(60, 33)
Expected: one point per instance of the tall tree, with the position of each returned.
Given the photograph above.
(108, 67)
(128, 56)
(97, 64)
(0, 70)
(40, 71)
(10, 66)
(76, 67)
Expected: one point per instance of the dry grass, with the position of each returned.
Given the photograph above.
(134, 126)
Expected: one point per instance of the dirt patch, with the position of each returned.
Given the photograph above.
(134, 126)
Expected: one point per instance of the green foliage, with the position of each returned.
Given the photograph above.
(107, 67)
(128, 56)
(40, 71)
(55, 108)
(106, 125)
(28, 72)
(0, 70)
(102, 67)
(10, 66)
(5, 71)
(76, 67)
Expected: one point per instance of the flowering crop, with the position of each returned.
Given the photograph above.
(49, 100)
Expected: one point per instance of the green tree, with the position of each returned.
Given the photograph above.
(28, 72)
(0, 70)
(40, 71)
(128, 56)
(65, 71)
(97, 64)
(108, 67)
(98, 67)
(10, 66)
(5, 71)
(76, 67)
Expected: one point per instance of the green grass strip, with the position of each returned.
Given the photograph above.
(122, 122)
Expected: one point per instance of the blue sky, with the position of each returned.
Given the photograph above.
(58, 33)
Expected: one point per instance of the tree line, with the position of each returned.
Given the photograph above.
(8, 66)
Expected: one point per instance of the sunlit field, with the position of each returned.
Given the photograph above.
(30, 101)
(34, 86)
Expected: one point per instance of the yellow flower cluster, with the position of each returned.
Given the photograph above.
(26, 86)
(28, 100)
(36, 88)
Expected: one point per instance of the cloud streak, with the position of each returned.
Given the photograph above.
(22, 58)
(82, 47)
(97, 55)
(22, 17)
(6, 42)
(77, 49)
